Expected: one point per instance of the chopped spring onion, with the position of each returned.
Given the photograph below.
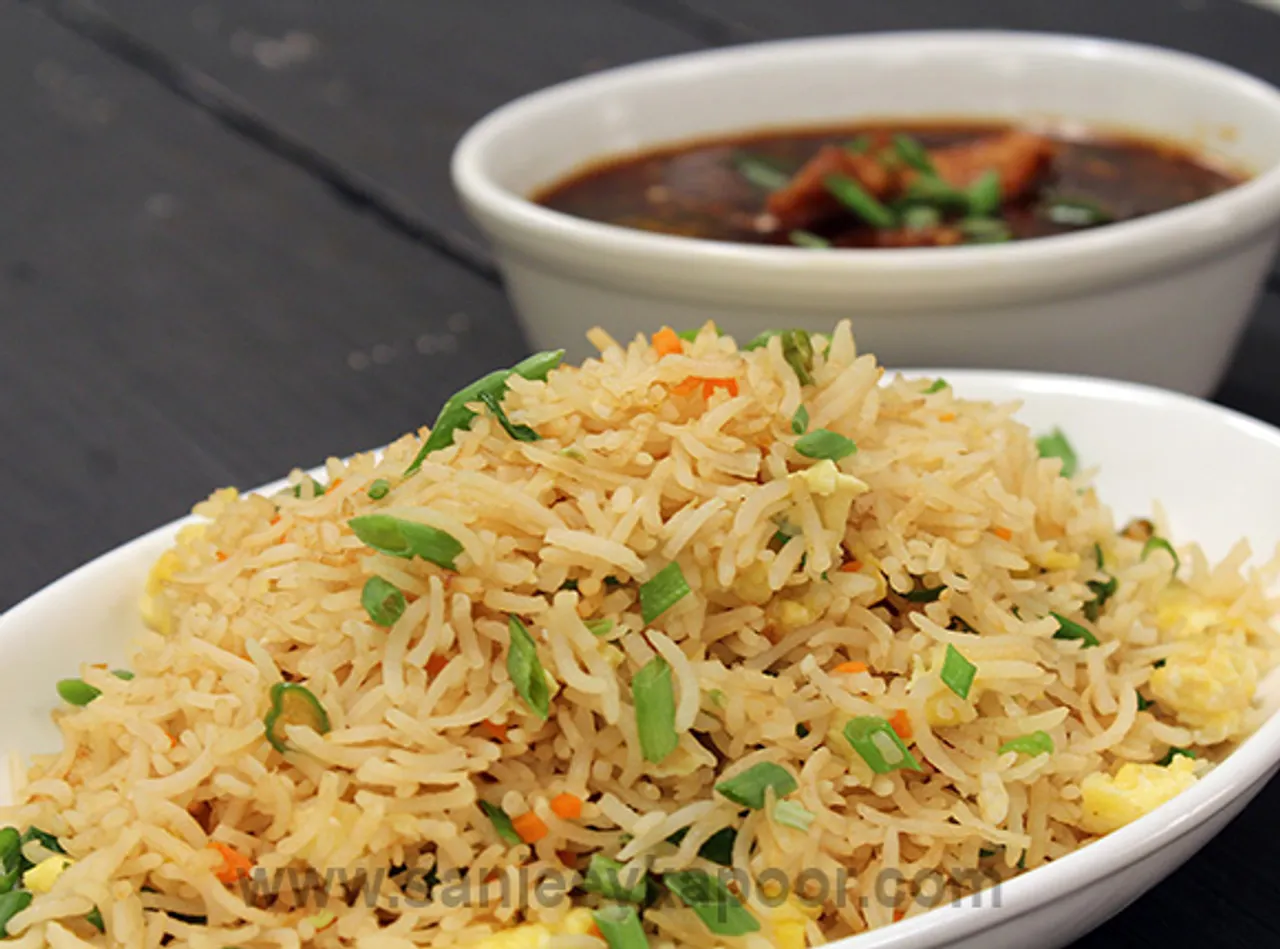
(455, 414)
(600, 627)
(94, 919)
(761, 341)
(690, 335)
(11, 904)
(800, 421)
(1144, 703)
(718, 848)
(938, 386)
(1037, 743)
(620, 926)
(1102, 591)
(293, 704)
(858, 146)
(77, 692)
(984, 194)
(604, 876)
(1055, 445)
(920, 217)
(1077, 212)
(797, 350)
(1097, 555)
(760, 172)
(803, 238)
(655, 702)
(664, 590)
(1159, 543)
(407, 539)
(932, 190)
(824, 444)
(879, 745)
(749, 787)
(46, 840)
(10, 848)
(521, 433)
(501, 823)
(957, 672)
(383, 601)
(858, 200)
(1071, 630)
(985, 230)
(709, 898)
(526, 670)
(793, 815)
(913, 154)
(924, 594)
(317, 489)
(1159, 664)
(123, 674)
(1176, 753)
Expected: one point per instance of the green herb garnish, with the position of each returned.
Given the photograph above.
(984, 194)
(501, 823)
(1176, 753)
(793, 815)
(984, 230)
(957, 672)
(924, 594)
(859, 145)
(920, 217)
(760, 172)
(664, 590)
(797, 350)
(383, 601)
(11, 904)
(823, 444)
(803, 238)
(858, 200)
(879, 745)
(800, 421)
(749, 787)
(1055, 445)
(1071, 630)
(709, 898)
(293, 704)
(913, 154)
(1143, 703)
(938, 386)
(655, 703)
(604, 876)
(1036, 743)
(599, 627)
(1078, 212)
(1159, 543)
(379, 489)
(77, 692)
(620, 926)
(525, 669)
(521, 433)
(407, 539)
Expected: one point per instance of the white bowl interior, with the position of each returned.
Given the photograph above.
(1015, 77)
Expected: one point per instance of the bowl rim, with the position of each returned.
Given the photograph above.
(1239, 772)
(1158, 241)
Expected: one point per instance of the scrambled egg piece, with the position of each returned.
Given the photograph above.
(785, 924)
(1055, 560)
(833, 491)
(752, 584)
(1209, 691)
(153, 611)
(1137, 789)
(1184, 614)
(577, 922)
(41, 877)
(943, 708)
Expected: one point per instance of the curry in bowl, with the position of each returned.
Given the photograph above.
(890, 185)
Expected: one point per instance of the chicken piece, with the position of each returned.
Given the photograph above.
(1018, 157)
(805, 199)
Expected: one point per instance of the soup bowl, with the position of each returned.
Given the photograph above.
(1160, 300)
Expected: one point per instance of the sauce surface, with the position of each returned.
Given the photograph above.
(729, 189)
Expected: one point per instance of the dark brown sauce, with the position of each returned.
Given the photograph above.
(696, 189)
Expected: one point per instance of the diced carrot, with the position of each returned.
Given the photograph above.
(334, 485)
(567, 806)
(666, 342)
(687, 387)
(1003, 533)
(850, 667)
(221, 557)
(947, 417)
(235, 865)
(173, 739)
(275, 520)
(851, 566)
(496, 731)
(530, 827)
(436, 664)
(898, 915)
(901, 723)
(709, 386)
(98, 665)
(594, 930)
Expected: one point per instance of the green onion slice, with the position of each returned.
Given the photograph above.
(11, 904)
(793, 815)
(525, 669)
(924, 594)
(1176, 753)
(761, 341)
(521, 433)
(379, 489)
(655, 702)
(913, 154)
(879, 745)
(1036, 743)
(1144, 703)
(1071, 630)
(383, 601)
(1103, 591)
(620, 926)
(1055, 445)
(1077, 212)
(957, 672)
(293, 704)
(10, 849)
(123, 674)
(803, 238)
(984, 194)
(749, 787)
(920, 217)
(664, 590)
(984, 230)
(94, 919)
(77, 692)
(599, 627)
(823, 444)
(932, 190)
(858, 200)
(859, 145)
(938, 386)
(718, 848)
(317, 489)
(1159, 543)
(760, 172)
(797, 350)
(800, 421)
(46, 840)
(501, 823)
(604, 876)
(407, 539)
(720, 911)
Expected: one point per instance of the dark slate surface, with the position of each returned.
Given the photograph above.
(231, 249)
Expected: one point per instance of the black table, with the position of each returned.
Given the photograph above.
(229, 247)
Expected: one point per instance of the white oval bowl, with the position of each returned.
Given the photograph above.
(1213, 469)
(1161, 300)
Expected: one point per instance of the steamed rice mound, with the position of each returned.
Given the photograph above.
(820, 591)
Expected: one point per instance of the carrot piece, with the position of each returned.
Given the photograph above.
(436, 664)
(898, 915)
(851, 566)
(530, 827)
(334, 485)
(709, 386)
(851, 667)
(221, 557)
(275, 520)
(1003, 533)
(688, 387)
(666, 342)
(496, 731)
(947, 417)
(594, 930)
(173, 739)
(901, 723)
(567, 806)
(235, 865)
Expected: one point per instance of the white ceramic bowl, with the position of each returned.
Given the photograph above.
(1161, 300)
(1139, 437)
